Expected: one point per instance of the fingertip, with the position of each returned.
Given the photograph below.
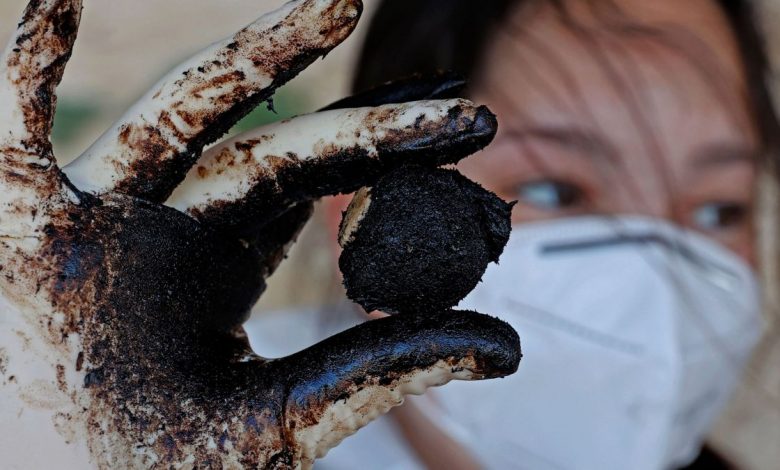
(485, 123)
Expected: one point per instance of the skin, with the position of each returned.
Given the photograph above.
(121, 311)
(666, 138)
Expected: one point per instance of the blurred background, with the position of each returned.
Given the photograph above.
(125, 47)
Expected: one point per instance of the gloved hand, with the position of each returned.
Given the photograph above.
(125, 278)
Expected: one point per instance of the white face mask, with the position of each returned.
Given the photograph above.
(634, 335)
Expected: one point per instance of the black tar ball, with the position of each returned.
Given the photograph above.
(420, 240)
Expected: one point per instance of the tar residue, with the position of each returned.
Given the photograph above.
(300, 178)
(168, 369)
(161, 343)
(157, 300)
(399, 345)
(424, 242)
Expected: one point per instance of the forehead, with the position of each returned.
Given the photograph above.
(628, 69)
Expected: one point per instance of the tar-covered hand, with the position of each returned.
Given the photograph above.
(126, 276)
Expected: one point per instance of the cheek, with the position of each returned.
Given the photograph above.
(740, 239)
(743, 244)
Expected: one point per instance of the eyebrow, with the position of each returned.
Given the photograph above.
(581, 140)
(593, 144)
(723, 154)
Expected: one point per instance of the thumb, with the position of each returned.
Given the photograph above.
(341, 384)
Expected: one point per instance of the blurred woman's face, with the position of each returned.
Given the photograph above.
(638, 111)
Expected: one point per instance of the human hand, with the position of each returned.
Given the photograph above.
(125, 278)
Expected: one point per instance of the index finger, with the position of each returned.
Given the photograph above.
(244, 182)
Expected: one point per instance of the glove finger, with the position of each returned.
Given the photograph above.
(242, 183)
(341, 384)
(436, 87)
(149, 150)
(30, 70)
(32, 67)
(273, 245)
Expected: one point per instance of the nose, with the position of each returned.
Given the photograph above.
(643, 191)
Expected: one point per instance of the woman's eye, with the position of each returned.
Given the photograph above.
(551, 194)
(720, 215)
